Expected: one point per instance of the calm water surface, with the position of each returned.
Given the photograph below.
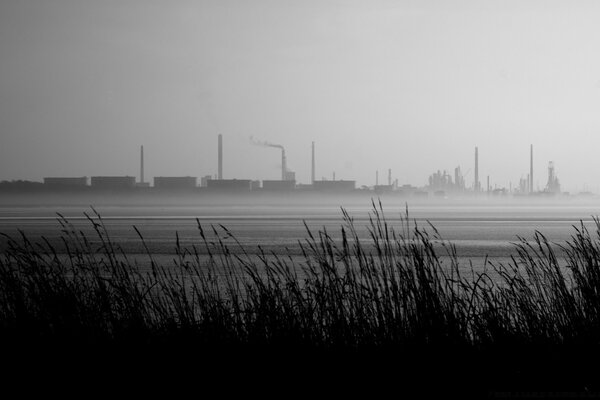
(478, 231)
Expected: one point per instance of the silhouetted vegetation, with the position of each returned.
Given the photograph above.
(351, 304)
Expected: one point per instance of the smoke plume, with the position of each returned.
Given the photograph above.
(264, 143)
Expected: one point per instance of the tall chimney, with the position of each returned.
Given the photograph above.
(283, 165)
(220, 173)
(377, 178)
(476, 184)
(312, 171)
(531, 169)
(390, 177)
(142, 164)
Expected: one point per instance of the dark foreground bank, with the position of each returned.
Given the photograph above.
(358, 314)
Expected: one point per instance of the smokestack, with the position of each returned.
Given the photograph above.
(142, 164)
(312, 172)
(283, 166)
(488, 183)
(220, 173)
(390, 177)
(476, 184)
(531, 169)
(376, 178)
(278, 146)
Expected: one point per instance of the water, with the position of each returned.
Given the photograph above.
(477, 230)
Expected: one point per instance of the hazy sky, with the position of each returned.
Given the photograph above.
(409, 85)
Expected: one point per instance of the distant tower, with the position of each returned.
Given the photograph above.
(220, 173)
(457, 177)
(376, 178)
(553, 185)
(531, 169)
(142, 165)
(459, 180)
(390, 177)
(312, 172)
(476, 184)
(283, 165)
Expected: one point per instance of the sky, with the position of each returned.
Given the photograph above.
(411, 86)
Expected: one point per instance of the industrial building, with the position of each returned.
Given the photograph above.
(337, 186)
(442, 181)
(383, 189)
(229, 184)
(523, 187)
(312, 165)
(175, 182)
(57, 182)
(204, 180)
(406, 190)
(255, 185)
(459, 180)
(476, 183)
(113, 182)
(279, 185)
(304, 187)
(531, 169)
(553, 185)
(220, 157)
(290, 176)
(286, 174)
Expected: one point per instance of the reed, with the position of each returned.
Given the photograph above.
(390, 292)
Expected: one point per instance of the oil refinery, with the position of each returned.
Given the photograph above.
(440, 183)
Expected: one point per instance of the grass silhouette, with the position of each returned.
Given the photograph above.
(352, 306)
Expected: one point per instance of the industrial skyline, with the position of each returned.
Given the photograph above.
(439, 183)
(348, 183)
(378, 85)
(286, 174)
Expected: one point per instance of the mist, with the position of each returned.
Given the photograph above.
(401, 85)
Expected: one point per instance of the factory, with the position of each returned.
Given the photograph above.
(255, 185)
(142, 183)
(442, 181)
(66, 183)
(204, 180)
(384, 189)
(334, 186)
(113, 182)
(279, 185)
(553, 185)
(229, 185)
(440, 184)
(175, 182)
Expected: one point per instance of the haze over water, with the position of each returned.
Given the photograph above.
(477, 229)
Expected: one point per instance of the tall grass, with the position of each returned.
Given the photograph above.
(399, 287)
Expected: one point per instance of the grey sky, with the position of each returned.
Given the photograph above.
(407, 85)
